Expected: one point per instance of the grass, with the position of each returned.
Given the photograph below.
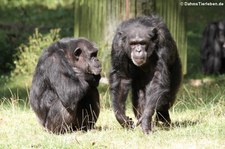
(198, 118)
(15, 88)
(203, 128)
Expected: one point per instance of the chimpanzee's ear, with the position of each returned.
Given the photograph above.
(153, 33)
(77, 52)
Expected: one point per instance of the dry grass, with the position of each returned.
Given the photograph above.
(192, 128)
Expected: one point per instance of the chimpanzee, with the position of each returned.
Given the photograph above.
(64, 92)
(144, 57)
(213, 48)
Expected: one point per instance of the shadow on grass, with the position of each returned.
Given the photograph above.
(14, 96)
(174, 125)
(17, 92)
(184, 124)
(14, 91)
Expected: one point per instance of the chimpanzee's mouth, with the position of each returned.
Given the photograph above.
(139, 61)
(97, 72)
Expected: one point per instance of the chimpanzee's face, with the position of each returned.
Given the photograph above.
(140, 44)
(83, 55)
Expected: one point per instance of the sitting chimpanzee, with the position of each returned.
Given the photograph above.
(213, 48)
(144, 57)
(64, 92)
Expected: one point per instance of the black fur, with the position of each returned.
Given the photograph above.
(213, 48)
(154, 83)
(64, 93)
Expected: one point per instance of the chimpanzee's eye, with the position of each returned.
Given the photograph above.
(77, 51)
(132, 43)
(142, 43)
(94, 54)
(137, 43)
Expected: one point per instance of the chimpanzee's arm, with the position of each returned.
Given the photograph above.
(64, 82)
(157, 90)
(119, 91)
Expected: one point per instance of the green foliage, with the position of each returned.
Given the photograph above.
(47, 3)
(104, 57)
(29, 53)
(19, 18)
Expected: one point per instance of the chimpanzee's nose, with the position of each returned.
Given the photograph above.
(138, 49)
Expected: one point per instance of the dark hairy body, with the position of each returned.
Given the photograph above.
(64, 93)
(213, 48)
(144, 58)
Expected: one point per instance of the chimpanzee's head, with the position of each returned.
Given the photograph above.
(82, 55)
(139, 42)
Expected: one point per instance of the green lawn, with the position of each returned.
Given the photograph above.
(198, 128)
(198, 121)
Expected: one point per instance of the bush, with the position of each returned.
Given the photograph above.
(29, 53)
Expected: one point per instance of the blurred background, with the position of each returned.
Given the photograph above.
(28, 26)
